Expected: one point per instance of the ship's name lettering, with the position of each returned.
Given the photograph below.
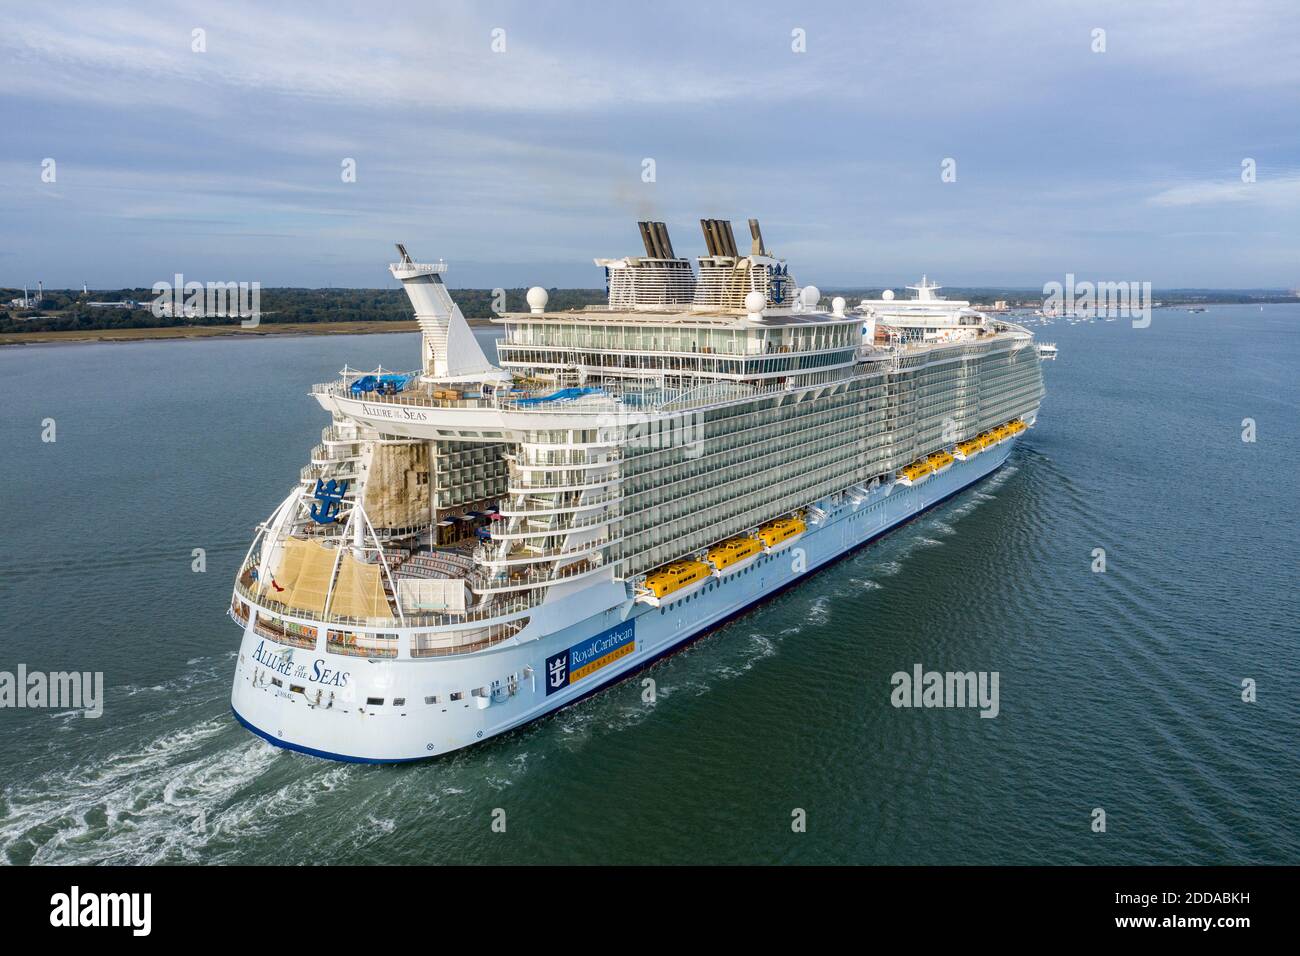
(395, 411)
(282, 664)
(323, 675)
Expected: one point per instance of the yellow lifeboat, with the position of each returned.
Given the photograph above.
(674, 582)
(731, 556)
(939, 461)
(915, 472)
(968, 449)
(781, 533)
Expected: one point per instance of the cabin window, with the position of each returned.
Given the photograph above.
(277, 682)
(296, 689)
(431, 699)
(457, 695)
(399, 701)
(374, 702)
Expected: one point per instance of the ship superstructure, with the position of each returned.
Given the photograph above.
(474, 544)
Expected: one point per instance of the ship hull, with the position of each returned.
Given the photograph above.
(345, 708)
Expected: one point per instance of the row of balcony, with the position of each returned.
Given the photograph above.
(518, 486)
(534, 578)
(527, 555)
(537, 528)
(534, 506)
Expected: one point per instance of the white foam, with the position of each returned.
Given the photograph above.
(145, 805)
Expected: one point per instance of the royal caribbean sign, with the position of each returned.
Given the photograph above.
(585, 658)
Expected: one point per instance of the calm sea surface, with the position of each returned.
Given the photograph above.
(1119, 690)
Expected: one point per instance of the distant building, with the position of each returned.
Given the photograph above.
(127, 304)
(29, 302)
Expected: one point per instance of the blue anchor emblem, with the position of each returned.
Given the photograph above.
(329, 496)
(778, 284)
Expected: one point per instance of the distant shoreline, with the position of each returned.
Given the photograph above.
(92, 336)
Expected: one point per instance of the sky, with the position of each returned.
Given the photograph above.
(512, 139)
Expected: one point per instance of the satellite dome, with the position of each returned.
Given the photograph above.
(811, 296)
(754, 302)
(888, 295)
(837, 305)
(537, 299)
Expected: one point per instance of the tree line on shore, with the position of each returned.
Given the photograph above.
(71, 310)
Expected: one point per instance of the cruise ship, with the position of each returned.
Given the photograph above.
(475, 544)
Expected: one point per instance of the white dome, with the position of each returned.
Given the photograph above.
(837, 305)
(537, 299)
(811, 296)
(754, 302)
(888, 295)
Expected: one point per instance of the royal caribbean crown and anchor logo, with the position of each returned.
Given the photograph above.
(330, 497)
(568, 667)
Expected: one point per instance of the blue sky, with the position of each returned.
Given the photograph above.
(518, 167)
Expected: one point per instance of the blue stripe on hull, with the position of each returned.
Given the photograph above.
(313, 752)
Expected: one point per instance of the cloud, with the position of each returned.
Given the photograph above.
(230, 158)
(1272, 192)
(435, 60)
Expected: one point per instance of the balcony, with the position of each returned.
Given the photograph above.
(582, 524)
(534, 578)
(558, 484)
(537, 507)
(525, 555)
(486, 612)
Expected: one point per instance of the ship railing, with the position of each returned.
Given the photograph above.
(517, 484)
(323, 453)
(317, 470)
(563, 527)
(526, 555)
(534, 506)
(480, 612)
(448, 643)
(337, 433)
(532, 578)
(666, 348)
(561, 459)
(633, 399)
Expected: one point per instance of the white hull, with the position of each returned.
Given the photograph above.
(739, 566)
(595, 648)
(648, 597)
